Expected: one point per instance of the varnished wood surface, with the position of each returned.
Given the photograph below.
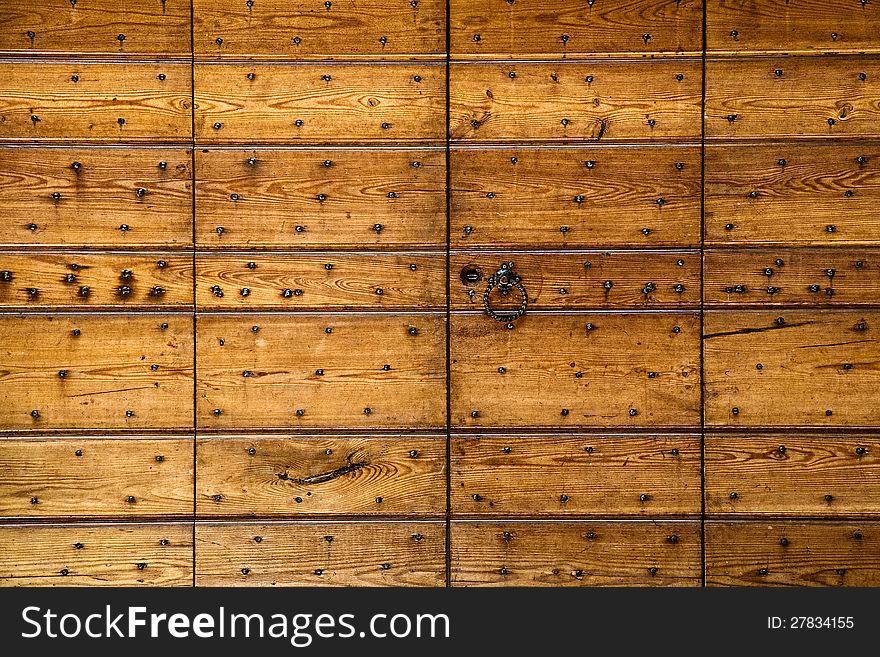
(602, 370)
(96, 102)
(793, 475)
(260, 378)
(320, 198)
(784, 553)
(295, 476)
(589, 553)
(321, 554)
(567, 198)
(791, 368)
(601, 475)
(96, 477)
(120, 371)
(96, 555)
(319, 104)
(528, 102)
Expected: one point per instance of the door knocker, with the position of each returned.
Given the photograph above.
(506, 280)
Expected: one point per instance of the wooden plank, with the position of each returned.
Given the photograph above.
(96, 102)
(793, 475)
(592, 475)
(88, 280)
(805, 277)
(305, 30)
(332, 475)
(597, 553)
(602, 370)
(792, 368)
(561, 281)
(340, 103)
(311, 371)
(320, 198)
(96, 372)
(826, 97)
(321, 554)
(95, 477)
(792, 554)
(97, 27)
(791, 193)
(561, 28)
(352, 281)
(806, 26)
(100, 190)
(96, 555)
(585, 197)
(572, 101)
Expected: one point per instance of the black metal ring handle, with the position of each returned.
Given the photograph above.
(505, 280)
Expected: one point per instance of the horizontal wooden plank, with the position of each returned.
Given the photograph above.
(308, 371)
(97, 27)
(314, 30)
(321, 554)
(576, 553)
(343, 103)
(806, 26)
(802, 277)
(559, 281)
(95, 280)
(263, 476)
(571, 101)
(793, 554)
(320, 198)
(628, 370)
(793, 475)
(322, 281)
(96, 102)
(560, 28)
(96, 372)
(792, 368)
(792, 97)
(595, 197)
(96, 555)
(792, 193)
(96, 477)
(651, 476)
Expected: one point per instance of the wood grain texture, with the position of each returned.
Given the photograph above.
(627, 370)
(96, 478)
(567, 198)
(561, 281)
(321, 554)
(561, 28)
(149, 191)
(793, 475)
(320, 198)
(97, 27)
(793, 554)
(527, 102)
(340, 103)
(44, 280)
(303, 282)
(597, 553)
(792, 368)
(791, 193)
(810, 97)
(96, 555)
(805, 26)
(336, 379)
(807, 277)
(309, 29)
(586, 475)
(96, 102)
(101, 378)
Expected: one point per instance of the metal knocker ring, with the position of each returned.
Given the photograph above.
(506, 280)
